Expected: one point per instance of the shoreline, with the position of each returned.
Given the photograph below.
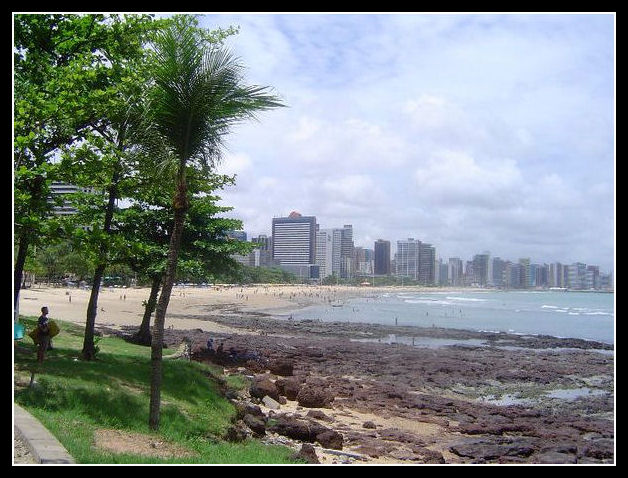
(511, 399)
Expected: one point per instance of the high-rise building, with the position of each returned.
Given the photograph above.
(294, 240)
(454, 271)
(324, 252)
(524, 271)
(264, 245)
(415, 260)
(407, 258)
(60, 191)
(382, 257)
(346, 252)
(576, 274)
(480, 269)
(427, 263)
(363, 261)
(496, 277)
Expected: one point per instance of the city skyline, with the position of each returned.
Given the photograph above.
(471, 132)
(438, 256)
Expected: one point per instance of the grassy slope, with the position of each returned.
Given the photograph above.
(74, 398)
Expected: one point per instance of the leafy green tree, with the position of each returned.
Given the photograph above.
(107, 157)
(146, 227)
(198, 95)
(53, 84)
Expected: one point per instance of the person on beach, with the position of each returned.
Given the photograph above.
(43, 333)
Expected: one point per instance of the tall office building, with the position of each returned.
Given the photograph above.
(454, 271)
(497, 272)
(427, 264)
(407, 258)
(294, 240)
(347, 266)
(60, 190)
(415, 260)
(264, 245)
(382, 257)
(481, 269)
(324, 252)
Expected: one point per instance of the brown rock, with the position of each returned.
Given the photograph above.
(307, 454)
(330, 439)
(262, 387)
(314, 397)
(282, 367)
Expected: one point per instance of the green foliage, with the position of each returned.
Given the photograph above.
(75, 398)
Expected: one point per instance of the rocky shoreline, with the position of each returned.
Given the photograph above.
(350, 393)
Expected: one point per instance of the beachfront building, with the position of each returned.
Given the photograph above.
(382, 257)
(427, 264)
(363, 261)
(264, 246)
(454, 271)
(294, 244)
(556, 275)
(324, 252)
(480, 270)
(524, 273)
(576, 274)
(496, 276)
(415, 260)
(347, 265)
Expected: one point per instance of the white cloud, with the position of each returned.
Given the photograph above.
(472, 132)
(456, 179)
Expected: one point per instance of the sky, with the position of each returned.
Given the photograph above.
(471, 132)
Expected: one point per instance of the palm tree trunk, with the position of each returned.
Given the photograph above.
(143, 336)
(180, 210)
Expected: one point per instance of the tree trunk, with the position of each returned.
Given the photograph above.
(143, 336)
(18, 271)
(180, 209)
(89, 350)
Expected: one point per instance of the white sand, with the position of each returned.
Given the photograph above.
(123, 306)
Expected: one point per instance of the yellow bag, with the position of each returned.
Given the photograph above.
(52, 327)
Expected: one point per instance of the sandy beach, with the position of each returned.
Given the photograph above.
(512, 399)
(124, 306)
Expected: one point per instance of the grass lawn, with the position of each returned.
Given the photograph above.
(98, 410)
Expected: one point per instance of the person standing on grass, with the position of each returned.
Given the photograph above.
(43, 334)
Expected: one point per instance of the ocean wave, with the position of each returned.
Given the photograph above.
(467, 299)
(427, 301)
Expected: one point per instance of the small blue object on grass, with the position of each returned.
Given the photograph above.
(18, 331)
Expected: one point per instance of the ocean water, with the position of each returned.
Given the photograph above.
(584, 315)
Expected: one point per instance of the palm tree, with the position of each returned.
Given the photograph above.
(198, 95)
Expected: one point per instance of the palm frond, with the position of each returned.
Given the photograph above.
(199, 94)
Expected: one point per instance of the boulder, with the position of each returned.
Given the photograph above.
(318, 415)
(270, 403)
(281, 367)
(256, 424)
(330, 439)
(292, 428)
(310, 396)
(307, 454)
(262, 387)
(289, 387)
